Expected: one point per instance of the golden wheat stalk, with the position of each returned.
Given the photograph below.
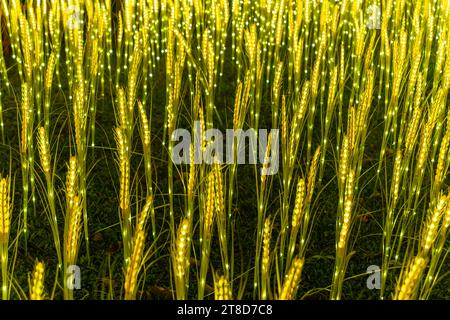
(206, 232)
(72, 236)
(124, 166)
(265, 261)
(432, 225)
(221, 217)
(297, 217)
(5, 224)
(299, 203)
(292, 280)
(348, 205)
(143, 215)
(44, 150)
(210, 205)
(134, 266)
(5, 210)
(37, 282)
(222, 289)
(442, 162)
(145, 125)
(312, 176)
(180, 253)
(406, 288)
(181, 248)
(71, 181)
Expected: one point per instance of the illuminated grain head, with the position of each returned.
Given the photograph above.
(292, 280)
(222, 289)
(411, 132)
(123, 112)
(71, 181)
(432, 225)
(237, 106)
(37, 282)
(299, 202)
(442, 159)
(134, 266)
(277, 81)
(267, 233)
(44, 150)
(219, 196)
(300, 109)
(124, 168)
(182, 248)
(210, 204)
(406, 288)
(266, 162)
(145, 125)
(143, 215)
(312, 174)
(344, 159)
(348, 205)
(397, 175)
(5, 210)
(26, 115)
(72, 238)
(447, 217)
(49, 71)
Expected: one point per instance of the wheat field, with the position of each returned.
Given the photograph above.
(347, 199)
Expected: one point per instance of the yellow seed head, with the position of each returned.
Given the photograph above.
(237, 108)
(299, 202)
(406, 288)
(44, 150)
(344, 161)
(182, 248)
(71, 181)
(265, 168)
(315, 78)
(145, 125)
(219, 196)
(312, 175)
(143, 215)
(413, 127)
(124, 165)
(396, 176)
(37, 282)
(135, 265)
(73, 230)
(348, 205)
(49, 71)
(80, 115)
(267, 233)
(5, 210)
(26, 110)
(333, 89)
(433, 222)
(222, 289)
(209, 212)
(292, 280)
(26, 42)
(277, 81)
(442, 159)
(123, 113)
(133, 77)
(447, 217)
